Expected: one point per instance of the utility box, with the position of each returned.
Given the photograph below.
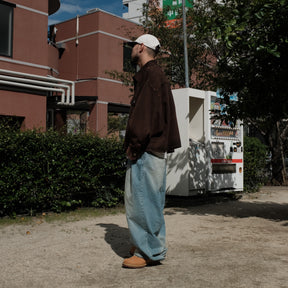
(211, 156)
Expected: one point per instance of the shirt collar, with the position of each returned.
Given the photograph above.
(138, 75)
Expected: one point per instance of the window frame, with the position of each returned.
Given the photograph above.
(11, 29)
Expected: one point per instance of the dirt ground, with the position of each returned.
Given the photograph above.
(235, 243)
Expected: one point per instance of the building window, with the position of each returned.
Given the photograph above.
(6, 28)
(76, 122)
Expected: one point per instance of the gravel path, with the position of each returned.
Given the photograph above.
(240, 243)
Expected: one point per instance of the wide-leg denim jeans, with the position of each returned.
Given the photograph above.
(145, 187)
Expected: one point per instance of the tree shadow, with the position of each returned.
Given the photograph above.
(230, 206)
(118, 238)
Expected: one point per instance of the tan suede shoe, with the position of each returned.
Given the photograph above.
(137, 262)
(134, 262)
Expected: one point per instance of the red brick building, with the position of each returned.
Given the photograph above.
(26, 61)
(60, 80)
(93, 46)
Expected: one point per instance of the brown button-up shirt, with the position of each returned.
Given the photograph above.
(152, 124)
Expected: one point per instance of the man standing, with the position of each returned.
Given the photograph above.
(151, 133)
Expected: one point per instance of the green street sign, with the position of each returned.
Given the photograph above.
(174, 6)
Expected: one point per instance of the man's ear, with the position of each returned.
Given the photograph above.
(142, 47)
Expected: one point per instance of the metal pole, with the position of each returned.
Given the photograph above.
(185, 45)
(147, 10)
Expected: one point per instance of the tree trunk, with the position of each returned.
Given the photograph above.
(277, 160)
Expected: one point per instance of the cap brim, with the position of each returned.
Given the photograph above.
(130, 44)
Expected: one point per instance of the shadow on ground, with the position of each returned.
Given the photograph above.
(118, 238)
(227, 205)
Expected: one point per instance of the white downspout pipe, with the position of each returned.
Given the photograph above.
(73, 93)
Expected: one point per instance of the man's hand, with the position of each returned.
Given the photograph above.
(131, 155)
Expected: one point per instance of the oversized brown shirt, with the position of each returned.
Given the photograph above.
(152, 124)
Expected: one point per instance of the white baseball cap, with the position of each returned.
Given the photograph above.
(148, 40)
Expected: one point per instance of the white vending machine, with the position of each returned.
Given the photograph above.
(211, 156)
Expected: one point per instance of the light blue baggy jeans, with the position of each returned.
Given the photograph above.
(145, 187)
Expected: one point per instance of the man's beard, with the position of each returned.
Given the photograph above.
(134, 60)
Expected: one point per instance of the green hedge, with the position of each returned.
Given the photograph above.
(53, 172)
(255, 154)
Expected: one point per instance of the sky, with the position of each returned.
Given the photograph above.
(71, 8)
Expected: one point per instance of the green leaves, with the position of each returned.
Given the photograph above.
(47, 171)
(254, 164)
(249, 42)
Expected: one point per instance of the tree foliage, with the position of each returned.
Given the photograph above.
(250, 42)
(171, 57)
(249, 39)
